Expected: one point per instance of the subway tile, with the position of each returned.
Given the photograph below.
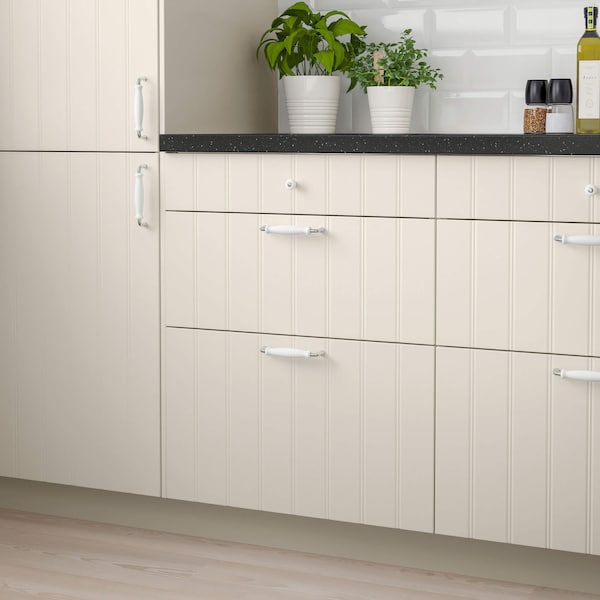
(564, 62)
(509, 68)
(549, 26)
(470, 27)
(469, 112)
(387, 25)
(516, 107)
(455, 66)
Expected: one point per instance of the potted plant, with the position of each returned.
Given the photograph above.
(306, 48)
(390, 73)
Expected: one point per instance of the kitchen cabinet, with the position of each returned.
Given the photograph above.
(79, 320)
(344, 434)
(109, 75)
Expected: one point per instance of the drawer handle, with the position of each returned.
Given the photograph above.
(290, 184)
(593, 376)
(591, 189)
(578, 240)
(291, 352)
(139, 196)
(291, 229)
(138, 108)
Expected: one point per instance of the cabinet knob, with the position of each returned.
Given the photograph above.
(591, 189)
(290, 184)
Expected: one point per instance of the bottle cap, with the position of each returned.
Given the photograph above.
(560, 91)
(535, 91)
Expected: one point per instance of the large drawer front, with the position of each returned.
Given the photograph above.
(522, 188)
(345, 436)
(510, 285)
(363, 278)
(371, 185)
(517, 449)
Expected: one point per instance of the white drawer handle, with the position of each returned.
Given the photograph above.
(290, 352)
(138, 108)
(139, 196)
(290, 184)
(578, 375)
(578, 240)
(291, 229)
(591, 189)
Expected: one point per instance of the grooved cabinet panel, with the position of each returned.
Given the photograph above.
(79, 321)
(369, 185)
(68, 71)
(521, 188)
(517, 449)
(511, 286)
(345, 436)
(363, 278)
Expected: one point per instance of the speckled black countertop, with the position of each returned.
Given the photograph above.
(554, 144)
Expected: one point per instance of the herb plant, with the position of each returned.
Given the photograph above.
(398, 63)
(302, 42)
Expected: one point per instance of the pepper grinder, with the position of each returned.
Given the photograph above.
(534, 117)
(560, 106)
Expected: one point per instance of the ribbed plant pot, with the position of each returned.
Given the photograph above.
(312, 102)
(390, 108)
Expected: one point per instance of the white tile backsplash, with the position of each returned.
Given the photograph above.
(487, 50)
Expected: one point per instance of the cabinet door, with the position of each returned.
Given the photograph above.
(68, 74)
(511, 286)
(345, 436)
(361, 278)
(517, 449)
(79, 321)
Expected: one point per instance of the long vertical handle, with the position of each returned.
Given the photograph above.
(139, 196)
(138, 108)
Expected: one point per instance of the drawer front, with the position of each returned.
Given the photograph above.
(345, 436)
(363, 185)
(362, 278)
(517, 449)
(521, 188)
(511, 286)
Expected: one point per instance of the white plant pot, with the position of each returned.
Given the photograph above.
(312, 102)
(390, 108)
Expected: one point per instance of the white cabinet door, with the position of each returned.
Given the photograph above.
(517, 449)
(68, 74)
(511, 286)
(79, 321)
(361, 278)
(345, 436)
(520, 188)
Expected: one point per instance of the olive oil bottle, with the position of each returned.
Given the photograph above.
(588, 75)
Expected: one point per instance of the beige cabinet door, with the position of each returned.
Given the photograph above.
(69, 72)
(355, 278)
(347, 435)
(519, 188)
(518, 448)
(79, 321)
(512, 285)
(344, 184)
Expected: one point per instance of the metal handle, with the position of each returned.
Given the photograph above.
(138, 108)
(578, 240)
(291, 229)
(593, 376)
(591, 189)
(290, 184)
(139, 196)
(291, 352)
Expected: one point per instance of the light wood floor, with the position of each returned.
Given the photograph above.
(62, 559)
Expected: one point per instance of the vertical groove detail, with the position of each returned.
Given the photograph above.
(472, 457)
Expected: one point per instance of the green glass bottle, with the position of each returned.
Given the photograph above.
(588, 75)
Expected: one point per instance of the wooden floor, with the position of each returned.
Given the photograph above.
(61, 559)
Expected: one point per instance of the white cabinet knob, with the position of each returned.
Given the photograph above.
(290, 184)
(591, 189)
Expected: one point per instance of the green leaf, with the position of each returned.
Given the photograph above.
(293, 38)
(346, 27)
(273, 52)
(327, 59)
(299, 7)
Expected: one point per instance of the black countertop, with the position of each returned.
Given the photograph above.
(545, 144)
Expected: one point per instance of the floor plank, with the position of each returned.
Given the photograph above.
(53, 558)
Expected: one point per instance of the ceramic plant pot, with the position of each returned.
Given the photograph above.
(390, 108)
(312, 102)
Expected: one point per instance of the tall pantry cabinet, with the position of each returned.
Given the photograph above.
(85, 88)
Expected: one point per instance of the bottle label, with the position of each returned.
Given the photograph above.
(589, 89)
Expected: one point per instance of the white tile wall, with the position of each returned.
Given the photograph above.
(487, 50)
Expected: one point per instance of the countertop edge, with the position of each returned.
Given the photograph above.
(493, 144)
